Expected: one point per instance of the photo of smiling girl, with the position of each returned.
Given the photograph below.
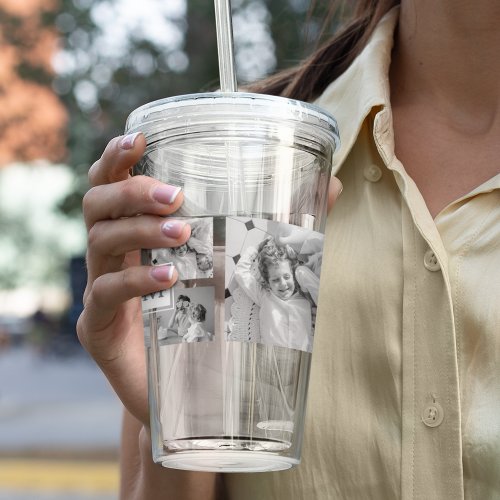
(266, 273)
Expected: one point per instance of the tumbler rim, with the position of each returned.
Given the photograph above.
(269, 106)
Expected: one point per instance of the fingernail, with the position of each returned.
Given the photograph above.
(173, 228)
(166, 193)
(128, 141)
(163, 272)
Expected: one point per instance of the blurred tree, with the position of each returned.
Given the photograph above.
(36, 239)
(119, 54)
(32, 118)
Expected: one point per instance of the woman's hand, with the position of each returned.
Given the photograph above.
(124, 214)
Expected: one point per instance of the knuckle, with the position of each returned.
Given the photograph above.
(143, 230)
(81, 331)
(92, 174)
(142, 187)
(129, 281)
(128, 190)
(88, 201)
(95, 236)
(147, 185)
(100, 170)
(140, 231)
(133, 193)
(99, 294)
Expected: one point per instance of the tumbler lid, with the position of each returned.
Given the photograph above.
(215, 106)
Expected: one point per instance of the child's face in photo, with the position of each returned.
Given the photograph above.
(183, 305)
(203, 262)
(192, 315)
(281, 280)
(181, 251)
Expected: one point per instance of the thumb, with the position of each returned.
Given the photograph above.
(334, 190)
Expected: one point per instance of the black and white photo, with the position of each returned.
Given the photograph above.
(191, 319)
(272, 282)
(194, 259)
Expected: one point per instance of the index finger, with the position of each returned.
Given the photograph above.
(120, 155)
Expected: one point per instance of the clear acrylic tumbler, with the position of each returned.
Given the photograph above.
(229, 347)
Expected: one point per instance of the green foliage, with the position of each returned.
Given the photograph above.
(40, 238)
(150, 71)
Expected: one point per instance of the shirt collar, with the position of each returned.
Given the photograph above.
(362, 87)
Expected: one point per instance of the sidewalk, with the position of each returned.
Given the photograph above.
(59, 429)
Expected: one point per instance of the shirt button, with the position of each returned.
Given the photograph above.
(433, 415)
(430, 261)
(372, 173)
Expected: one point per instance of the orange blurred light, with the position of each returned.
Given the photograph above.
(32, 118)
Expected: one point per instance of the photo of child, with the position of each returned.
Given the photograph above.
(196, 331)
(192, 318)
(179, 322)
(308, 246)
(276, 284)
(194, 259)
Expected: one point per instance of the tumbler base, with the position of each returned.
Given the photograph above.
(228, 461)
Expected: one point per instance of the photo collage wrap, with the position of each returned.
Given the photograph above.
(184, 313)
(271, 283)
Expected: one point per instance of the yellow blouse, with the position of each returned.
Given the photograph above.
(404, 399)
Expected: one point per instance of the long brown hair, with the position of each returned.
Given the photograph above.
(310, 78)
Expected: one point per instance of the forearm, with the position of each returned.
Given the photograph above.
(142, 479)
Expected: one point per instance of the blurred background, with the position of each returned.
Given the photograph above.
(70, 72)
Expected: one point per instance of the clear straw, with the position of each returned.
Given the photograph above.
(224, 28)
